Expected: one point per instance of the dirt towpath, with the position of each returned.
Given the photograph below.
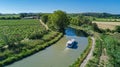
(44, 24)
(90, 53)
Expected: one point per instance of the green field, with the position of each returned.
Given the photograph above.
(10, 15)
(21, 38)
(19, 29)
(107, 20)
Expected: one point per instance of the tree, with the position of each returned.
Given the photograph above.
(58, 21)
(22, 15)
(80, 20)
(44, 18)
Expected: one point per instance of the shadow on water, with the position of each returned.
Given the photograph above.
(74, 32)
(75, 45)
(70, 32)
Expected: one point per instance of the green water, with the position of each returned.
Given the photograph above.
(56, 55)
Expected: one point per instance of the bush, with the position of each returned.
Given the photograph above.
(117, 29)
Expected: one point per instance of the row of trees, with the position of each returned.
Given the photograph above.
(8, 18)
(98, 15)
(80, 20)
(22, 15)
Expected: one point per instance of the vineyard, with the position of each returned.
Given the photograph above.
(16, 30)
(20, 38)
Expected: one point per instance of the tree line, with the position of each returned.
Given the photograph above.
(97, 15)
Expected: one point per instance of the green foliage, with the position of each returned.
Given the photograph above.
(107, 19)
(80, 20)
(34, 15)
(12, 32)
(44, 18)
(9, 16)
(28, 47)
(58, 21)
(16, 30)
(95, 28)
(102, 15)
(113, 50)
(117, 29)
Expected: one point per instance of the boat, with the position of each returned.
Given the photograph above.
(70, 43)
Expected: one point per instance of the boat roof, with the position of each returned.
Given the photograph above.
(71, 41)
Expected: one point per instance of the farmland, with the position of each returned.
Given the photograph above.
(18, 37)
(9, 15)
(107, 25)
(20, 28)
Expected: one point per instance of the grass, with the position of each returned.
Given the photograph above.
(111, 44)
(94, 61)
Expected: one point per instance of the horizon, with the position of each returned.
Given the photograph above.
(69, 6)
(66, 12)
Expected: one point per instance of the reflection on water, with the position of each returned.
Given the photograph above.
(56, 55)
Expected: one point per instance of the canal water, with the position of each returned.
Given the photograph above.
(57, 55)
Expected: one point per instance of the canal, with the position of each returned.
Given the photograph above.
(57, 55)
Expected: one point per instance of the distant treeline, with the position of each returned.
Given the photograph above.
(8, 18)
(38, 15)
(21, 16)
(97, 15)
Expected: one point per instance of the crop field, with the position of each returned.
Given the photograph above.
(107, 25)
(15, 30)
(21, 38)
(9, 15)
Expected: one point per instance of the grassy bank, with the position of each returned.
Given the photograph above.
(94, 61)
(83, 55)
(112, 45)
(31, 50)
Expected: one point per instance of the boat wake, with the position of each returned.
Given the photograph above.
(66, 49)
